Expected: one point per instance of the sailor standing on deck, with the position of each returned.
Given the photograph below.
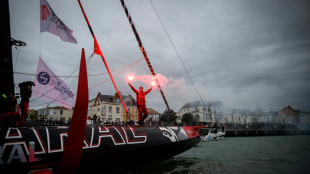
(140, 97)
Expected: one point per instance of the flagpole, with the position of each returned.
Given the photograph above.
(98, 51)
(145, 55)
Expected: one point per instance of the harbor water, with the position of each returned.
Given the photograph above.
(233, 155)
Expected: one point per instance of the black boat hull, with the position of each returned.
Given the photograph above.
(101, 143)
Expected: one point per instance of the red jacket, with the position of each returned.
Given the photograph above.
(140, 95)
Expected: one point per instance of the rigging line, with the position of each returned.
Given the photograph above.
(144, 54)
(88, 59)
(37, 105)
(177, 53)
(48, 103)
(17, 56)
(40, 36)
(18, 38)
(91, 75)
(51, 98)
(13, 27)
(125, 69)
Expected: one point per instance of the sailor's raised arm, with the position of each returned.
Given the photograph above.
(149, 90)
(133, 88)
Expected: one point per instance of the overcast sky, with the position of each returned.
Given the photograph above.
(240, 52)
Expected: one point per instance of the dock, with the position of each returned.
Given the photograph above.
(244, 132)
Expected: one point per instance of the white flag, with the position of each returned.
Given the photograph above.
(51, 23)
(50, 87)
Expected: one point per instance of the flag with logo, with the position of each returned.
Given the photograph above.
(50, 87)
(51, 23)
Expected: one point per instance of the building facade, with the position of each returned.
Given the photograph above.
(109, 109)
(57, 113)
(288, 115)
(153, 116)
(200, 112)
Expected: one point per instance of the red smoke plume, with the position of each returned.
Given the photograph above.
(149, 79)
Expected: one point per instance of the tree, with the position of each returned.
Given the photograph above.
(187, 118)
(42, 117)
(33, 115)
(166, 118)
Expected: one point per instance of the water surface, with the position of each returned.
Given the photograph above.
(235, 155)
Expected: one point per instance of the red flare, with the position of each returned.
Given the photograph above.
(130, 78)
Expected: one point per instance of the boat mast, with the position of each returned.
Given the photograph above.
(145, 55)
(98, 51)
(6, 62)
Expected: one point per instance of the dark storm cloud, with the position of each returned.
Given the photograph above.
(258, 43)
(239, 51)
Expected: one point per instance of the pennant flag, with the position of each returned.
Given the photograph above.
(51, 23)
(97, 49)
(50, 87)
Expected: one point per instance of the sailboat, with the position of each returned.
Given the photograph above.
(62, 149)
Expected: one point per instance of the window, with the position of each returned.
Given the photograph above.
(110, 109)
(61, 112)
(103, 109)
(117, 110)
(128, 109)
(98, 109)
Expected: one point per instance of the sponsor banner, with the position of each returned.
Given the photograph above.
(50, 87)
(51, 23)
